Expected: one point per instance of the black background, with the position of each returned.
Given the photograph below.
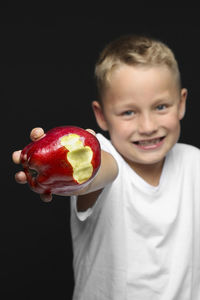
(46, 79)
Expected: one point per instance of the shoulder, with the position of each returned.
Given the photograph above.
(104, 142)
(186, 154)
(106, 145)
(185, 150)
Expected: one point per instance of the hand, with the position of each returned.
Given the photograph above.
(20, 177)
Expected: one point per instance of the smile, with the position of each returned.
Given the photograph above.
(149, 144)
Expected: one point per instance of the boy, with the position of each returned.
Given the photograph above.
(136, 227)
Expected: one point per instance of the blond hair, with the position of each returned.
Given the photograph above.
(133, 50)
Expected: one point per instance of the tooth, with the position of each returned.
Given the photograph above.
(150, 142)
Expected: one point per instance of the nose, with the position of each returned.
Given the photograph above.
(147, 124)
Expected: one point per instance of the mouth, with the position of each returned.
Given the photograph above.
(149, 143)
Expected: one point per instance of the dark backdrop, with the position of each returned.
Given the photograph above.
(46, 71)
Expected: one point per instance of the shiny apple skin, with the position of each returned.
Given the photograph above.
(45, 164)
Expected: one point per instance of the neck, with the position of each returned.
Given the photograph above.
(150, 173)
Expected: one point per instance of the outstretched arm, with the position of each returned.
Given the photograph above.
(106, 174)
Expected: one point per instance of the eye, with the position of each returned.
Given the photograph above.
(128, 113)
(161, 107)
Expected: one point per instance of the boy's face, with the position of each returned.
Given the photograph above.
(142, 109)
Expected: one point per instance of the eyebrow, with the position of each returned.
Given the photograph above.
(164, 99)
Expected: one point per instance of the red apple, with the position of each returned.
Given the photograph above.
(65, 160)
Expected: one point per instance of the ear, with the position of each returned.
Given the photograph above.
(99, 115)
(182, 104)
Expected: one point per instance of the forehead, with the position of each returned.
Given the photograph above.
(141, 81)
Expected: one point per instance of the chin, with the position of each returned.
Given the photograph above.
(150, 161)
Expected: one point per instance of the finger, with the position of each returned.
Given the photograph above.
(46, 197)
(16, 157)
(91, 131)
(37, 133)
(20, 177)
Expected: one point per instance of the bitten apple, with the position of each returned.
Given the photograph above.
(66, 159)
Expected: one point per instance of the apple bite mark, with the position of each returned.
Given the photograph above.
(79, 156)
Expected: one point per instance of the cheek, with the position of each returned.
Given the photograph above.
(172, 126)
(171, 122)
(121, 130)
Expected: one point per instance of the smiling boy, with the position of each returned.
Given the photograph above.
(141, 110)
(136, 227)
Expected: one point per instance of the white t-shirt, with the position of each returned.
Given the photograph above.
(141, 242)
